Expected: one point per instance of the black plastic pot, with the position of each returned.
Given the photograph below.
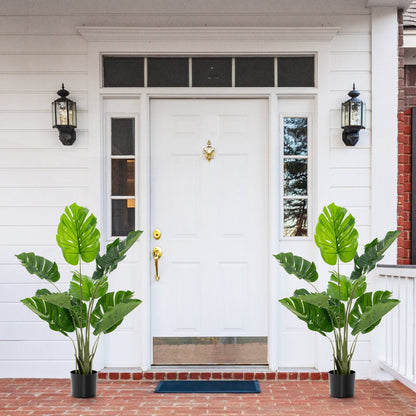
(341, 386)
(83, 385)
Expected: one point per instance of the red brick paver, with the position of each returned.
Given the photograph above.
(209, 375)
(26, 397)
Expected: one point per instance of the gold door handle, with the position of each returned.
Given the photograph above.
(157, 254)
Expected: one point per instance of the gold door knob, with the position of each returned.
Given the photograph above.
(157, 254)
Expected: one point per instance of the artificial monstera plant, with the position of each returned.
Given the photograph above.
(345, 307)
(86, 308)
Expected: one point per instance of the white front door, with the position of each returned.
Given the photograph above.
(213, 218)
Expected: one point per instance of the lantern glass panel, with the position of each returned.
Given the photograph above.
(363, 113)
(356, 114)
(345, 114)
(53, 114)
(72, 113)
(61, 113)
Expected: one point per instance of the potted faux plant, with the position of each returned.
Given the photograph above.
(87, 308)
(345, 305)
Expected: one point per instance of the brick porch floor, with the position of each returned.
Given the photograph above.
(26, 397)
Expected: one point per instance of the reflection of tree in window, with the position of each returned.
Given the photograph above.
(295, 218)
(295, 136)
(295, 191)
(295, 177)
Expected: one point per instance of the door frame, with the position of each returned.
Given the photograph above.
(202, 41)
(143, 208)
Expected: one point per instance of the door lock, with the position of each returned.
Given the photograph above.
(157, 233)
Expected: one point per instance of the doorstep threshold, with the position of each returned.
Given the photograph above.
(210, 368)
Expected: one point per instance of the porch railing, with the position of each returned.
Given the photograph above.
(399, 337)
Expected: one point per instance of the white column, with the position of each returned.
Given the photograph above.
(384, 150)
(384, 123)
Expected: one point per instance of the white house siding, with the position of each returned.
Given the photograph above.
(40, 48)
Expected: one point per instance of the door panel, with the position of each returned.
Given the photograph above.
(213, 217)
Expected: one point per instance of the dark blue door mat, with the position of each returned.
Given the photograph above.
(208, 386)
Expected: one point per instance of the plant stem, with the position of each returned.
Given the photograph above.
(347, 315)
(83, 343)
(343, 337)
(89, 314)
(314, 287)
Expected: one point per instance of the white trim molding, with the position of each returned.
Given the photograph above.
(146, 34)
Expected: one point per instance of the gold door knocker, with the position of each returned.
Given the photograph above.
(209, 151)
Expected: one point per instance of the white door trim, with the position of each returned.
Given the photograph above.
(143, 209)
(314, 41)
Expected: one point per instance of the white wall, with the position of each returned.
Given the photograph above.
(40, 48)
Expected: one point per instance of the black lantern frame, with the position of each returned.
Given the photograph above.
(64, 117)
(352, 118)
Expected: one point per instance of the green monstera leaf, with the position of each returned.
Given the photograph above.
(58, 318)
(63, 300)
(335, 235)
(75, 307)
(369, 309)
(321, 300)
(41, 267)
(335, 309)
(301, 268)
(316, 318)
(77, 235)
(87, 288)
(373, 253)
(111, 309)
(342, 287)
(81, 288)
(115, 253)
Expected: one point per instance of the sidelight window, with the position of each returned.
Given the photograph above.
(122, 176)
(295, 176)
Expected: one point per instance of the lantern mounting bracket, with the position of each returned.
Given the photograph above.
(67, 135)
(350, 135)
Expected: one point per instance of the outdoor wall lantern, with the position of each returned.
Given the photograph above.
(352, 118)
(64, 117)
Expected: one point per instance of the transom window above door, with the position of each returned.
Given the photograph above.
(219, 71)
